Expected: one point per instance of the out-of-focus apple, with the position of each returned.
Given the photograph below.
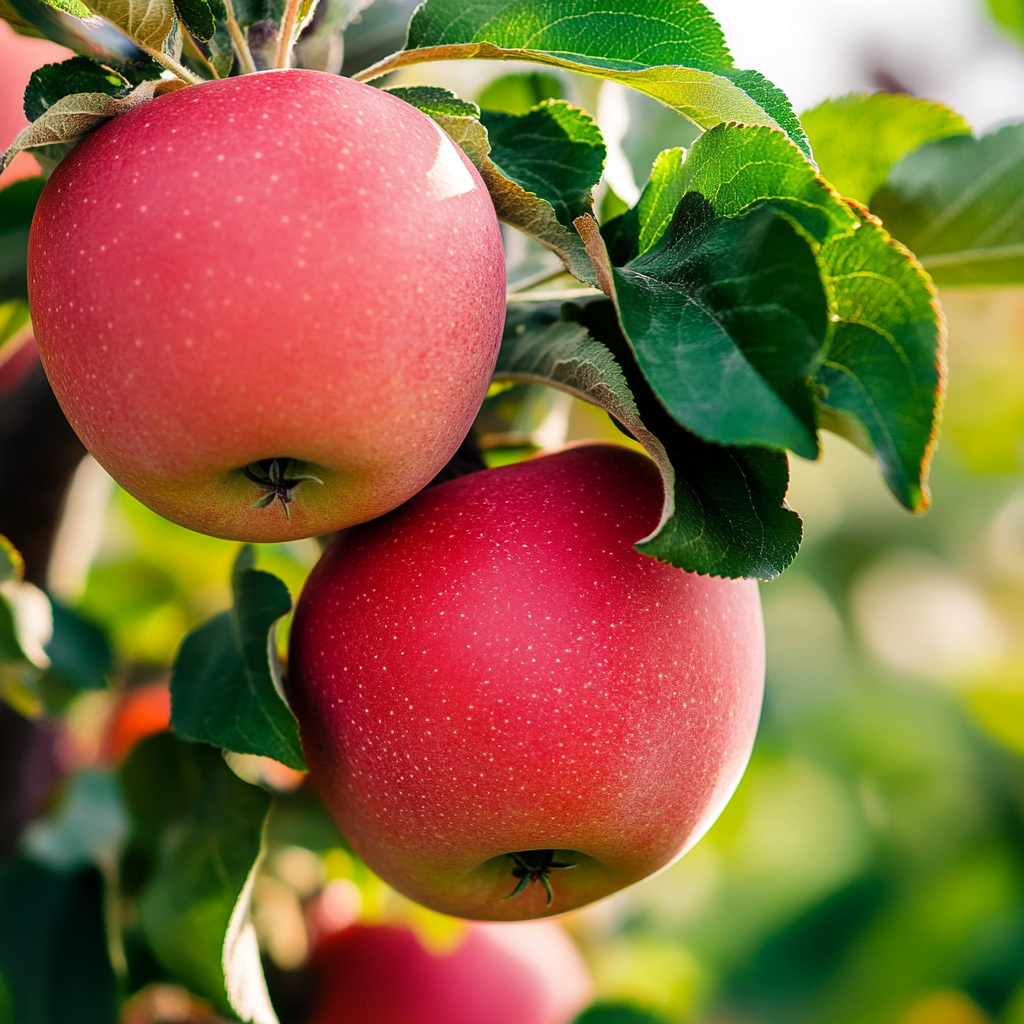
(138, 713)
(496, 974)
(499, 695)
(19, 57)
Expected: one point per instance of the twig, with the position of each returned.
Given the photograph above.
(171, 64)
(238, 40)
(284, 40)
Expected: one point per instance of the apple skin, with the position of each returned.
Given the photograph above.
(284, 265)
(497, 974)
(19, 57)
(493, 668)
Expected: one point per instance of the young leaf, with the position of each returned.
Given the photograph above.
(883, 376)
(540, 171)
(672, 50)
(70, 119)
(84, 35)
(956, 204)
(223, 688)
(197, 17)
(53, 82)
(895, 124)
(727, 317)
(17, 204)
(147, 23)
(724, 512)
(200, 829)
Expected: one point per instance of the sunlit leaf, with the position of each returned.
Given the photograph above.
(86, 36)
(958, 205)
(883, 376)
(12, 566)
(520, 93)
(223, 687)
(146, 22)
(894, 123)
(672, 50)
(200, 828)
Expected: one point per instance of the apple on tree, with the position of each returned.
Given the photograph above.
(527, 973)
(270, 306)
(500, 697)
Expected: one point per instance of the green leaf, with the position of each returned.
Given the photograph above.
(70, 119)
(145, 22)
(53, 948)
(12, 565)
(200, 829)
(53, 82)
(883, 376)
(1009, 14)
(73, 7)
(79, 651)
(956, 204)
(727, 317)
(84, 35)
(672, 50)
(724, 512)
(540, 171)
(895, 124)
(223, 687)
(197, 17)
(17, 204)
(518, 94)
(26, 627)
(618, 1013)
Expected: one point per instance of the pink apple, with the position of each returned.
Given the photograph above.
(496, 974)
(492, 682)
(270, 305)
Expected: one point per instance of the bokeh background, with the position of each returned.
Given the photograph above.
(870, 869)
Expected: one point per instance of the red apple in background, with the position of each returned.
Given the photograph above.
(138, 713)
(496, 974)
(19, 57)
(270, 305)
(492, 682)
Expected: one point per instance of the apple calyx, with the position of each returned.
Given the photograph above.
(275, 482)
(534, 866)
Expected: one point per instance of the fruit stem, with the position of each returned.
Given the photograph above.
(171, 64)
(285, 38)
(534, 866)
(238, 40)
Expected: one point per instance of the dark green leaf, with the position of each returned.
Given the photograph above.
(223, 688)
(958, 205)
(435, 101)
(17, 204)
(540, 171)
(724, 511)
(883, 376)
(672, 50)
(53, 946)
(727, 317)
(53, 82)
(80, 654)
(200, 829)
(894, 123)
(518, 94)
(197, 17)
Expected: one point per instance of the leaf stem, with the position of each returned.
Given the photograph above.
(238, 40)
(171, 64)
(548, 274)
(284, 39)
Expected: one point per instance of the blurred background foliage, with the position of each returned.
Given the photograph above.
(870, 869)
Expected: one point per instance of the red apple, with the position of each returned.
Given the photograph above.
(497, 974)
(251, 283)
(140, 712)
(493, 684)
(19, 57)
